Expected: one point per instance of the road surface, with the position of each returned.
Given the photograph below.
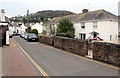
(55, 62)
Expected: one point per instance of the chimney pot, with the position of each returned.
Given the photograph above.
(85, 10)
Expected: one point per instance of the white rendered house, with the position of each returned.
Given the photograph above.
(38, 26)
(90, 24)
(23, 28)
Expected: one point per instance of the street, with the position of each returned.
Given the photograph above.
(55, 62)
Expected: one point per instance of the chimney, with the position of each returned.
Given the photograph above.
(2, 11)
(85, 10)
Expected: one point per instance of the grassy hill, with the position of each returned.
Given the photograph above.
(41, 16)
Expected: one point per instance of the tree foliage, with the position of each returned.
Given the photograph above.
(65, 29)
(28, 29)
(35, 31)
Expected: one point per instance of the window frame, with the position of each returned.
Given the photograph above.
(95, 24)
(82, 25)
(82, 36)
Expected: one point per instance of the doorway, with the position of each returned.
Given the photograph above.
(94, 35)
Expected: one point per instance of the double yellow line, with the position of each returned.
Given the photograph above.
(32, 61)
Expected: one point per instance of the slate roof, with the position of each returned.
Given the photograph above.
(91, 15)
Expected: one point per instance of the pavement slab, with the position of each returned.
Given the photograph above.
(14, 63)
(0, 61)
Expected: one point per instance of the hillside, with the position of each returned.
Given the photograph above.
(51, 13)
(41, 16)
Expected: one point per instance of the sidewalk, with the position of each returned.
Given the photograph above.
(0, 61)
(14, 63)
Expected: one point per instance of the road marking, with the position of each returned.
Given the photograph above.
(92, 60)
(33, 62)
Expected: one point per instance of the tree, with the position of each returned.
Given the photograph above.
(34, 31)
(28, 29)
(24, 20)
(65, 29)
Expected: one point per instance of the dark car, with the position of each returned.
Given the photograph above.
(32, 37)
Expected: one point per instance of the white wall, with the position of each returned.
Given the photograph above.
(23, 28)
(11, 30)
(38, 26)
(2, 16)
(105, 29)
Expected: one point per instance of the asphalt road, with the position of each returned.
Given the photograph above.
(57, 63)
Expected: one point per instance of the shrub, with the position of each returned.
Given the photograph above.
(34, 31)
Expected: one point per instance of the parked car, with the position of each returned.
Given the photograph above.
(26, 35)
(22, 35)
(32, 37)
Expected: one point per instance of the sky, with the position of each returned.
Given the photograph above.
(20, 7)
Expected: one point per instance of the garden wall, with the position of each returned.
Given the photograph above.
(71, 45)
(46, 40)
(107, 52)
(68, 44)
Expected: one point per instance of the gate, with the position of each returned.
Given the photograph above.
(90, 49)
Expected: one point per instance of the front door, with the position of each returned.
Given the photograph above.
(94, 35)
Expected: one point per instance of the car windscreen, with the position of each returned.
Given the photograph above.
(32, 35)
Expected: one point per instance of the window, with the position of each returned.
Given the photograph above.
(95, 24)
(82, 36)
(82, 24)
(110, 37)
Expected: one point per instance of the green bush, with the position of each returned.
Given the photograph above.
(34, 31)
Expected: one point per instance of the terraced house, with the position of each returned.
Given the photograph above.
(88, 25)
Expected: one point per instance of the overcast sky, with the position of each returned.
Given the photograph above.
(19, 7)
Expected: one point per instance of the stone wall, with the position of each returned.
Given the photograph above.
(71, 45)
(47, 40)
(107, 52)
(68, 44)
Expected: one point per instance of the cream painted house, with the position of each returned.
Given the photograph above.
(89, 24)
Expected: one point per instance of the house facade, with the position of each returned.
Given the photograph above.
(105, 29)
(89, 25)
(2, 15)
(38, 26)
(22, 28)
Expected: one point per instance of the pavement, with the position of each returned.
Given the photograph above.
(0, 61)
(55, 62)
(14, 63)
